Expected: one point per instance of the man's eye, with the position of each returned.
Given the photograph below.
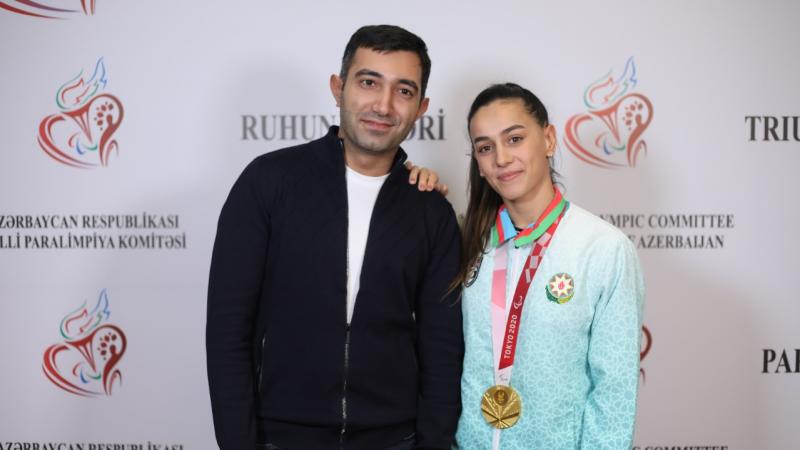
(367, 83)
(515, 139)
(406, 92)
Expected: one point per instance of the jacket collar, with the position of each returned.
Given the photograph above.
(336, 145)
(504, 230)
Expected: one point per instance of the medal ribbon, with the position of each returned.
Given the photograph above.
(504, 228)
(541, 232)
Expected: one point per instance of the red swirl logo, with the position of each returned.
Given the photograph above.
(49, 9)
(610, 134)
(85, 363)
(647, 342)
(82, 134)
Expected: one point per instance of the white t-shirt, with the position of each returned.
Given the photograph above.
(362, 191)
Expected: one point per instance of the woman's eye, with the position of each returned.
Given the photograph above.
(484, 149)
(515, 139)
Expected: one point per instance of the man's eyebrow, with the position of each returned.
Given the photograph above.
(410, 83)
(368, 72)
(372, 73)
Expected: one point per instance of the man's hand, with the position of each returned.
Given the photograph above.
(428, 179)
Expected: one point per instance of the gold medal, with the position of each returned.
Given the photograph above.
(501, 406)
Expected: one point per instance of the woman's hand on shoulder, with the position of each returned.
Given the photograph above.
(425, 179)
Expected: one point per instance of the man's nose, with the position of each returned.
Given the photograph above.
(383, 104)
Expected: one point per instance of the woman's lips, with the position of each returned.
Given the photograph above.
(508, 176)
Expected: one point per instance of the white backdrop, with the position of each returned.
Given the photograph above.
(190, 75)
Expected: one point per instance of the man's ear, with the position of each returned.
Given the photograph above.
(423, 107)
(337, 84)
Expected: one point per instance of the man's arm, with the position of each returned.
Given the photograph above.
(440, 341)
(610, 412)
(234, 288)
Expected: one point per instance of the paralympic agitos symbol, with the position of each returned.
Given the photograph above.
(609, 133)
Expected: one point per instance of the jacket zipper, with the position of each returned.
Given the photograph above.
(346, 321)
(261, 363)
(344, 385)
(343, 431)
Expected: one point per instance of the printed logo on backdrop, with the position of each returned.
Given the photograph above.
(85, 362)
(610, 134)
(773, 128)
(307, 127)
(682, 231)
(50, 9)
(646, 344)
(82, 133)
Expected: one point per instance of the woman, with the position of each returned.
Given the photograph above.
(550, 291)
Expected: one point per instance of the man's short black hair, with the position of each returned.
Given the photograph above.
(387, 38)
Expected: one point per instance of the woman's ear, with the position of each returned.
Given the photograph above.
(550, 140)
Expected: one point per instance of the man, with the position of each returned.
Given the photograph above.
(330, 325)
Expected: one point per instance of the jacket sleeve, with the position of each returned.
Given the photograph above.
(440, 341)
(234, 289)
(613, 355)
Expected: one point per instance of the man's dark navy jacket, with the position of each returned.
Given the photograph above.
(283, 365)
